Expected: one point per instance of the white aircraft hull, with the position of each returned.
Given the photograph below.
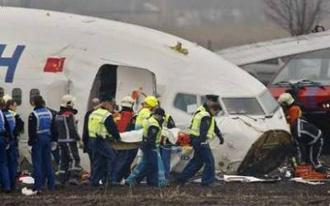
(134, 57)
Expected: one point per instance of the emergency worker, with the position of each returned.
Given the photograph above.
(166, 145)
(292, 110)
(68, 138)
(124, 158)
(16, 126)
(102, 128)
(5, 138)
(203, 129)
(41, 139)
(151, 165)
(87, 140)
(149, 104)
(307, 137)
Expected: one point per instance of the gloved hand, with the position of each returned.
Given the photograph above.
(221, 140)
(53, 146)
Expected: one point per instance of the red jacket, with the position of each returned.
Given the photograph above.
(125, 120)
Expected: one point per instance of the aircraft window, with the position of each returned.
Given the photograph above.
(186, 102)
(269, 103)
(17, 95)
(2, 92)
(33, 93)
(244, 106)
(270, 61)
(314, 66)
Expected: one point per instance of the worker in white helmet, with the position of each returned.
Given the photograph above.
(124, 158)
(291, 109)
(307, 137)
(68, 138)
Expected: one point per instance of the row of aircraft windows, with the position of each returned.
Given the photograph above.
(16, 94)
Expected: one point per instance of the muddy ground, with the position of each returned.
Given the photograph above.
(282, 193)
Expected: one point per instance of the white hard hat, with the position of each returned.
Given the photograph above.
(6, 98)
(286, 98)
(127, 102)
(68, 100)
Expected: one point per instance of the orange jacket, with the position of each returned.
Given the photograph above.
(294, 113)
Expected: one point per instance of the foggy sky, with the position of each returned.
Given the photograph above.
(222, 23)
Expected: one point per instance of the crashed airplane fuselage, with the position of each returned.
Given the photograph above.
(53, 54)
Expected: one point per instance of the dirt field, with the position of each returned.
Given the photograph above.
(283, 193)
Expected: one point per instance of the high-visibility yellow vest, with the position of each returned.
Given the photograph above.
(197, 120)
(166, 119)
(13, 112)
(151, 121)
(143, 115)
(96, 125)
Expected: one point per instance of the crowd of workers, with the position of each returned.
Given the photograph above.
(54, 138)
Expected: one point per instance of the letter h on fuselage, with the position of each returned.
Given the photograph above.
(10, 62)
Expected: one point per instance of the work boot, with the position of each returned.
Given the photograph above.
(211, 185)
(74, 182)
(177, 183)
(130, 183)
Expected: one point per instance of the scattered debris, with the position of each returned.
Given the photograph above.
(248, 179)
(309, 182)
(179, 48)
(27, 180)
(28, 192)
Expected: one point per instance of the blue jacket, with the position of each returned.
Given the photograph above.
(44, 125)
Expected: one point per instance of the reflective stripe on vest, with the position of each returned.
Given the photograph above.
(152, 122)
(11, 121)
(143, 115)
(96, 125)
(2, 122)
(197, 120)
(44, 120)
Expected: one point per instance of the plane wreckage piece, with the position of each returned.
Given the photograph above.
(266, 154)
(133, 58)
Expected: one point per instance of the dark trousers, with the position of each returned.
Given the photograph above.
(151, 167)
(165, 152)
(103, 157)
(91, 155)
(202, 157)
(4, 171)
(69, 165)
(13, 156)
(309, 152)
(42, 163)
(122, 164)
(56, 156)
